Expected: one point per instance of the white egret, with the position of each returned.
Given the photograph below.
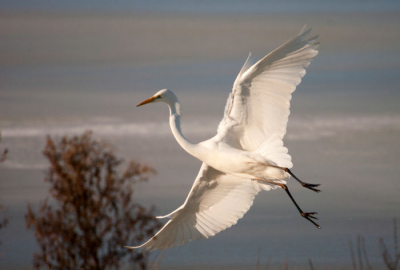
(247, 154)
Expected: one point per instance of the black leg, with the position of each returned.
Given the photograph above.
(309, 216)
(304, 184)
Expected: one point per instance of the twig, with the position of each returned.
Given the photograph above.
(365, 253)
(386, 256)
(396, 246)
(360, 261)
(387, 259)
(268, 263)
(3, 155)
(285, 265)
(353, 259)
(310, 264)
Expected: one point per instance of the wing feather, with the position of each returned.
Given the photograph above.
(258, 106)
(215, 203)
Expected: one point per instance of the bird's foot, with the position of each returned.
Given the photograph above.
(309, 216)
(304, 184)
(311, 186)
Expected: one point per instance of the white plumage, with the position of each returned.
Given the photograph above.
(212, 206)
(247, 154)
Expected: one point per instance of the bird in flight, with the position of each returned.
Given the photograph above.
(247, 154)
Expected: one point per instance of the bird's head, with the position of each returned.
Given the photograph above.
(164, 95)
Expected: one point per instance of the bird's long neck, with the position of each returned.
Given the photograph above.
(175, 123)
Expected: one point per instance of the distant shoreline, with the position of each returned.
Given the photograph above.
(121, 38)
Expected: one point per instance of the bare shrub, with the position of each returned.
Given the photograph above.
(3, 219)
(362, 255)
(4, 154)
(91, 214)
(391, 261)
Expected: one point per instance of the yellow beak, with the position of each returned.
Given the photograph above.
(149, 100)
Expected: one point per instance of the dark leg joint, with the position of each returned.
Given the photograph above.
(309, 216)
(283, 186)
(306, 185)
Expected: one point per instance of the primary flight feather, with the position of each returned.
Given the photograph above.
(247, 154)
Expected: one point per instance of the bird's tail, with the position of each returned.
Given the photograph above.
(273, 150)
(275, 154)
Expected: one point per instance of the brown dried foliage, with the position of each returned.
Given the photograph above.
(92, 214)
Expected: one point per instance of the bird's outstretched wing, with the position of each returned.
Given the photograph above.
(258, 106)
(215, 202)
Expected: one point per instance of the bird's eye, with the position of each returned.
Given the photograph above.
(159, 96)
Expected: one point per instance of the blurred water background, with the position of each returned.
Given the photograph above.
(69, 66)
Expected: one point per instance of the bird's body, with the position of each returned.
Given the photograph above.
(219, 154)
(247, 153)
